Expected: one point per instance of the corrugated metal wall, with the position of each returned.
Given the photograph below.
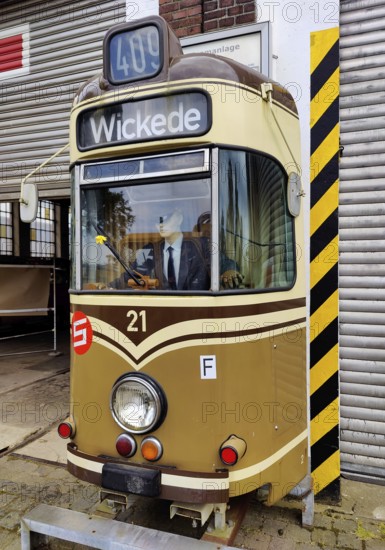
(65, 50)
(362, 237)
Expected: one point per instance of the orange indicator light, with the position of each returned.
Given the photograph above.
(151, 449)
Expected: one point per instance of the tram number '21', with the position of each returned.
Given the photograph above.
(137, 321)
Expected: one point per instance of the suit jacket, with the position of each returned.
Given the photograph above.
(194, 268)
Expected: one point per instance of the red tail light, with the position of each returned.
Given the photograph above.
(66, 429)
(126, 445)
(232, 450)
(229, 456)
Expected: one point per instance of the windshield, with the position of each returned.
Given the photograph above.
(127, 231)
(148, 224)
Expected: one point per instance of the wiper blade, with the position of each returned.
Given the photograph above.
(132, 274)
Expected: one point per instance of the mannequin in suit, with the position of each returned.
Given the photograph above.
(177, 263)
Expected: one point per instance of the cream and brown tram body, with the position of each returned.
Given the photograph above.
(195, 391)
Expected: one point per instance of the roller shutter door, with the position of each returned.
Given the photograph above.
(362, 238)
(65, 49)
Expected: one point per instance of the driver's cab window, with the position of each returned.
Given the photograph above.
(153, 234)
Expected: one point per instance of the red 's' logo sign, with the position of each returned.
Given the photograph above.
(81, 332)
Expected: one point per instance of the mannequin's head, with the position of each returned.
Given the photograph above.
(169, 225)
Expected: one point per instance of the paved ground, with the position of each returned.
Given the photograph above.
(34, 396)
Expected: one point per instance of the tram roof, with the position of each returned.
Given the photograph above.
(214, 66)
(180, 66)
(191, 66)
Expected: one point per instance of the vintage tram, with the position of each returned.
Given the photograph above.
(188, 375)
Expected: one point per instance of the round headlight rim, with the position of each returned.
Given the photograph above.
(157, 392)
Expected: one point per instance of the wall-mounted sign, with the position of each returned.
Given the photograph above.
(249, 45)
(14, 47)
(178, 115)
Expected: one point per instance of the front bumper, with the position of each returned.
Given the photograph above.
(156, 481)
(131, 479)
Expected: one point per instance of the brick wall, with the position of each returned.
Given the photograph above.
(189, 17)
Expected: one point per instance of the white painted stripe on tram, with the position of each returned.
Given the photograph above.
(180, 301)
(199, 483)
(206, 484)
(179, 345)
(188, 330)
(209, 484)
(90, 465)
(255, 469)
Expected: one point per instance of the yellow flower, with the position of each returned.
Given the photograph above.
(100, 239)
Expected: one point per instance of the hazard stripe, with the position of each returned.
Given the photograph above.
(320, 158)
(322, 128)
(321, 249)
(323, 422)
(323, 370)
(323, 266)
(329, 391)
(323, 472)
(322, 179)
(324, 146)
(326, 446)
(325, 98)
(328, 308)
(324, 277)
(324, 206)
(322, 72)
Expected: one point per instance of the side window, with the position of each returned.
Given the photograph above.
(256, 229)
(6, 229)
(42, 231)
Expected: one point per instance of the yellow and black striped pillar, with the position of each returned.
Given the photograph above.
(324, 383)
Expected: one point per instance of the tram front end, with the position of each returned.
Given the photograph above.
(188, 367)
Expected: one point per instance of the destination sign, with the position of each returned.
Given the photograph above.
(163, 117)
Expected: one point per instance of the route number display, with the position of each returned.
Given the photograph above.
(134, 54)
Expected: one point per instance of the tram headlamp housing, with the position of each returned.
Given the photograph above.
(138, 403)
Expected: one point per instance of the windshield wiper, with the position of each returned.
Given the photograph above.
(128, 269)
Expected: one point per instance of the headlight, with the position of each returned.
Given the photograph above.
(138, 403)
